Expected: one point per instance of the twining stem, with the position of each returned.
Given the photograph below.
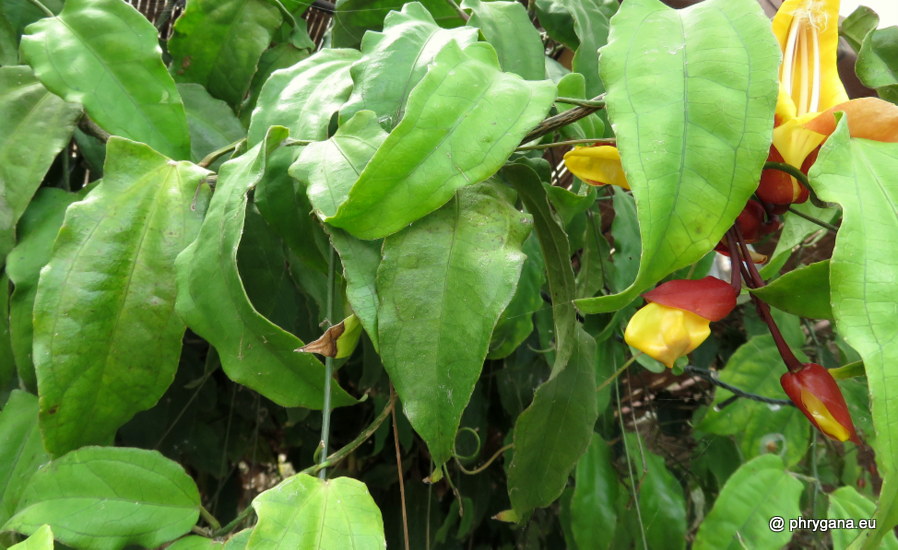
(735, 270)
(595, 141)
(563, 119)
(461, 13)
(486, 464)
(210, 519)
(617, 373)
(799, 175)
(43, 8)
(812, 219)
(710, 377)
(214, 155)
(328, 370)
(399, 470)
(89, 127)
(343, 452)
(595, 103)
(754, 280)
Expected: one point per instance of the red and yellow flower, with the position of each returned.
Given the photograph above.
(677, 317)
(816, 394)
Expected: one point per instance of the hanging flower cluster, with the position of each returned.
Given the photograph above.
(676, 319)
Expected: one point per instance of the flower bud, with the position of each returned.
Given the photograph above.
(815, 392)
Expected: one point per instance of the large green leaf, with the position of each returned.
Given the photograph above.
(213, 302)
(21, 13)
(847, 503)
(329, 168)
(553, 243)
(22, 451)
(41, 539)
(756, 367)
(108, 290)
(9, 43)
(354, 17)
(217, 43)
(803, 292)
(507, 27)
(691, 94)
(303, 97)
(593, 512)
(516, 323)
(105, 55)
(393, 61)
(307, 513)
(741, 517)
(107, 497)
(583, 26)
(859, 175)
(877, 62)
(662, 506)
(37, 230)
(462, 121)
(36, 126)
(212, 123)
(442, 285)
(552, 434)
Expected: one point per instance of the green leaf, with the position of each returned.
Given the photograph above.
(856, 26)
(395, 60)
(692, 154)
(37, 125)
(803, 292)
(591, 27)
(659, 496)
(217, 43)
(213, 302)
(557, 257)
(21, 13)
(464, 99)
(859, 175)
(105, 55)
(593, 512)
(507, 27)
(329, 168)
(304, 512)
(516, 322)
(847, 503)
(442, 285)
(42, 539)
(277, 57)
(552, 434)
(9, 42)
(212, 123)
(574, 85)
(759, 490)
(360, 262)
(108, 290)
(756, 367)
(22, 451)
(353, 17)
(303, 97)
(877, 62)
(37, 231)
(107, 497)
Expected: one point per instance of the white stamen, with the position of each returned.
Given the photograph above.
(789, 57)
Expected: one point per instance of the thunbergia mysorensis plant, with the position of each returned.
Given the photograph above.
(437, 274)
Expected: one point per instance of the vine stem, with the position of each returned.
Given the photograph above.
(563, 119)
(596, 141)
(812, 219)
(754, 280)
(43, 8)
(214, 155)
(596, 103)
(328, 370)
(461, 13)
(399, 470)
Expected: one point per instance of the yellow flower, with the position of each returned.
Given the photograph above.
(666, 333)
(811, 92)
(676, 320)
(597, 165)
